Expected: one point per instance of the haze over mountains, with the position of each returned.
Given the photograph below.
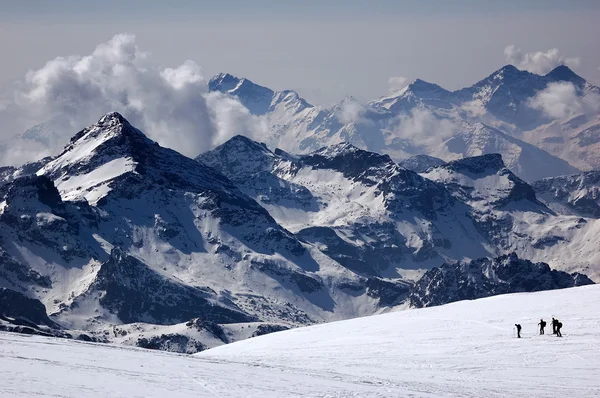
(504, 113)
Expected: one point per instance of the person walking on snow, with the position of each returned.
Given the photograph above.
(518, 330)
(558, 327)
(554, 323)
(542, 325)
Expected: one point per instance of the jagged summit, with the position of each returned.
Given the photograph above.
(478, 164)
(509, 69)
(256, 98)
(421, 163)
(239, 155)
(486, 277)
(506, 74)
(332, 151)
(223, 82)
(112, 154)
(421, 87)
(110, 126)
(243, 140)
(564, 73)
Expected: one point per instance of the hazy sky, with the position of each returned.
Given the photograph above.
(324, 49)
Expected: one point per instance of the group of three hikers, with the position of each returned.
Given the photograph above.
(556, 326)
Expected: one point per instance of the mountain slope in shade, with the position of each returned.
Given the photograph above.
(488, 277)
(420, 163)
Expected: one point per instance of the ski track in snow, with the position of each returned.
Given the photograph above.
(464, 349)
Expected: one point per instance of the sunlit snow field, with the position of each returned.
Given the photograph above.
(465, 349)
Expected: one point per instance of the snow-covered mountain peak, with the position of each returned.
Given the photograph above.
(112, 126)
(256, 98)
(223, 82)
(484, 181)
(336, 150)
(101, 152)
(239, 156)
(113, 154)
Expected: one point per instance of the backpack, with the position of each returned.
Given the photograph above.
(559, 325)
(543, 324)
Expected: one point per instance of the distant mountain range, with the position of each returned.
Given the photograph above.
(495, 115)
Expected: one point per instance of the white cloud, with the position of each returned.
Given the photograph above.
(397, 83)
(474, 109)
(561, 100)
(538, 62)
(351, 111)
(232, 118)
(425, 128)
(171, 105)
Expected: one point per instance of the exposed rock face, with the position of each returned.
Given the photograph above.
(18, 306)
(577, 194)
(488, 277)
(134, 292)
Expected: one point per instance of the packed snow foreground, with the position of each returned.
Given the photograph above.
(465, 349)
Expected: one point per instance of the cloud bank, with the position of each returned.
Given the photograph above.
(561, 100)
(538, 62)
(171, 105)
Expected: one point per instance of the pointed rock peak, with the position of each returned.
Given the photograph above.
(418, 84)
(226, 83)
(109, 126)
(421, 163)
(332, 151)
(508, 69)
(478, 164)
(507, 73)
(564, 73)
(425, 89)
(244, 143)
(111, 119)
(239, 157)
(223, 82)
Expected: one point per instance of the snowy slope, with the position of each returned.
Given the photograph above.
(359, 207)
(465, 349)
(377, 218)
(507, 211)
(575, 139)
(577, 194)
